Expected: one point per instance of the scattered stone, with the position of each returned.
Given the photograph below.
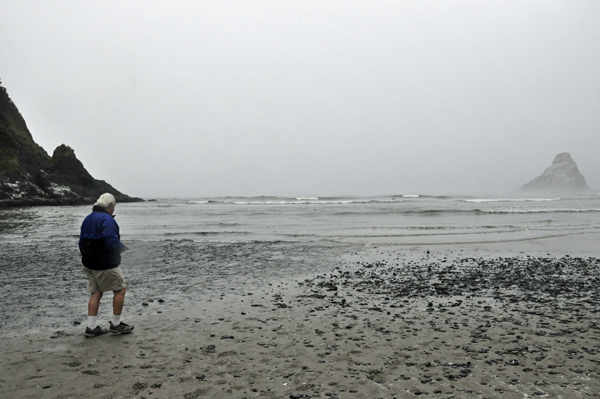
(138, 386)
(208, 349)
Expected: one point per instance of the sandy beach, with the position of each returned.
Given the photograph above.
(380, 325)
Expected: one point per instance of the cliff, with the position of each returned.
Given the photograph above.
(562, 176)
(29, 176)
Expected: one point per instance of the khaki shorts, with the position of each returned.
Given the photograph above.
(104, 280)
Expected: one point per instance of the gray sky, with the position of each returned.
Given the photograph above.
(309, 98)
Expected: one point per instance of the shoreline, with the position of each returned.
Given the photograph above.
(383, 324)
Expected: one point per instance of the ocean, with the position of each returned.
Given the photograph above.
(186, 250)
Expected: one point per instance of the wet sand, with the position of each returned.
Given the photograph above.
(382, 324)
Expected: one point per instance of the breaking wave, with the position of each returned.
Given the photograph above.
(482, 200)
(318, 202)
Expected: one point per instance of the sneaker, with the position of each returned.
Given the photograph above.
(89, 333)
(122, 328)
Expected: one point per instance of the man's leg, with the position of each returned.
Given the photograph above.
(116, 326)
(93, 306)
(118, 302)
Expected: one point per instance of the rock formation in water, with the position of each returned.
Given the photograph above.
(29, 176)
(562, 176)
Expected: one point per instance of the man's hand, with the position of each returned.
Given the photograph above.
(125, 248)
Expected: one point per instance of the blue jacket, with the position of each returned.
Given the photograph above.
(99, 242)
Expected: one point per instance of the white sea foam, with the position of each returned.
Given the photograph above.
(307, 198)
(410, 196)
(60, 190)
(197, 202)
(512, 200)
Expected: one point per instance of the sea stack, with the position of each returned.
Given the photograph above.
(562, 176)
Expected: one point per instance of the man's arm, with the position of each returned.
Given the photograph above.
(110, 234)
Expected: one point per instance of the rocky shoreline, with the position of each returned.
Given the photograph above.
(40, 201)
(381, 325)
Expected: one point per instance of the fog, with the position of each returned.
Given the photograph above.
(309, 98)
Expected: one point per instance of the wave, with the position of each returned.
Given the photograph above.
(223, 224)
(463, 242)
(539, 210)
(313, 200)
(202, 202)
(420, 196)
(318, 202)
(443, 227)
(441, 212)
(406, 235)
(203, 233)
(512, 200)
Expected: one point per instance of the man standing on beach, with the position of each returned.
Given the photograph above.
(100, 245)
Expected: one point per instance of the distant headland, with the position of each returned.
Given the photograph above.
(29, 176)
